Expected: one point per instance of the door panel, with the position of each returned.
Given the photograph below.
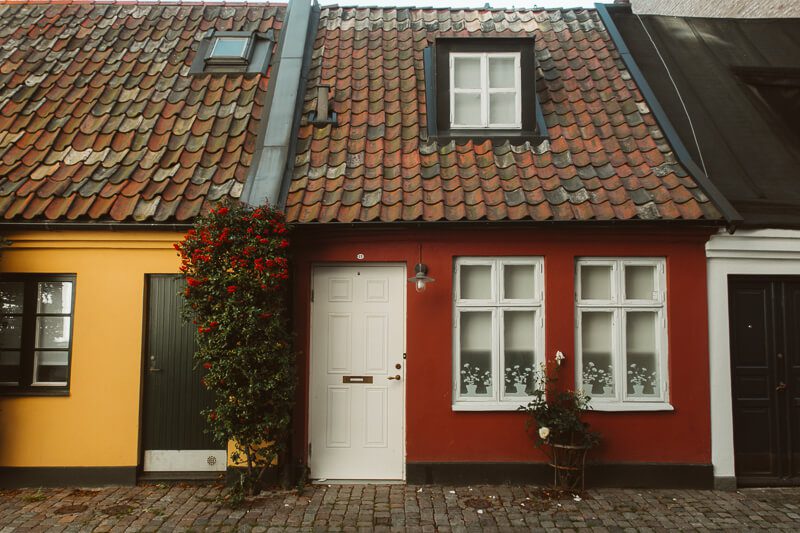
(173, 435)
(357, 343)
(765, 364)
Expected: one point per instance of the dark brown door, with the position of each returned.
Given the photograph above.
(765, 359)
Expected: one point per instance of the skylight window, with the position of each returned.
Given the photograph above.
(230, 48)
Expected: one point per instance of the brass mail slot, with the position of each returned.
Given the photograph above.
(356, 379)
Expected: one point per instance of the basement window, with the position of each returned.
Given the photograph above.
(36, 333)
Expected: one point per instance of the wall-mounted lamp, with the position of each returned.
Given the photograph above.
(421, 278)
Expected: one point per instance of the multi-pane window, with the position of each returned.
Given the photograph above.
(498, 323)
(621, 330)
(35, 332)
(485, 90)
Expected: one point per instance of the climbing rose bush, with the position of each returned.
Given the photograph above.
(236, 269)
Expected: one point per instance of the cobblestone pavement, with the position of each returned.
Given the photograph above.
(396, 508)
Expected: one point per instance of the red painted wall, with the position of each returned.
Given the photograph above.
(434, 433)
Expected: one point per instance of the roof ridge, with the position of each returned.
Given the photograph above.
(231, 3)
(537, 9)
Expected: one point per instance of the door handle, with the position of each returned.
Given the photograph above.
(153, 364)
(397, 377)
(781, 386)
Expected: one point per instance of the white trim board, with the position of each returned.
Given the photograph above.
(748, 252)
(185, 461)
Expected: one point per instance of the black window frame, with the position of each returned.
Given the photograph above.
(437, 89)
(28, 348)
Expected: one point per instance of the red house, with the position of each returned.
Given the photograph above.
(510, 153)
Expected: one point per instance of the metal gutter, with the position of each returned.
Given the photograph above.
(313, 23)
(732, 216)
(264, 183)
(84, 226)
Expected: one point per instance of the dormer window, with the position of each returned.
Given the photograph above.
(482, 88)
(231, 52)
(234, 50)
(485, 90)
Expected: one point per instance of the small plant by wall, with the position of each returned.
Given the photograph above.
(235, 264)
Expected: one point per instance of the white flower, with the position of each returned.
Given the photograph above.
(560, 358)
(544, 432)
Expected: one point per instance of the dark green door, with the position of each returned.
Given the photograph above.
(173, 436)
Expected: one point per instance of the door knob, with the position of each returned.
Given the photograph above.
(781, 386)
(397, 377)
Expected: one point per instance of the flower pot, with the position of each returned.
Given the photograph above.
(608, 390)
(638, 390)
(472, 389)
(488, 390)
(520, 388)
(568, 466)
(587, 389)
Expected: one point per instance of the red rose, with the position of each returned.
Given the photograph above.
(284, 243)
(212, 415)
(207, 365)
(222, 211)
(232, 288)
(193, 282)
(213, 324)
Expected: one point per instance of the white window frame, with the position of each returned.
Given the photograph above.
(485, 91)
(497, 304)
(619, 306)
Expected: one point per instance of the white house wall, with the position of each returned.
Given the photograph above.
(767, 252)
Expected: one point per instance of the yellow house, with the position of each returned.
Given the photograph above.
(119, 124)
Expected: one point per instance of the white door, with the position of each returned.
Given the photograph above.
(357, 373)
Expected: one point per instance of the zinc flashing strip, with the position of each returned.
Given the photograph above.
(264, 183)
(731, 215)
(313, 23)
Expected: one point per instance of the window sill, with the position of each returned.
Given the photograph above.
(617, 407)
(487, 406)
(482, 134)
(33, 391)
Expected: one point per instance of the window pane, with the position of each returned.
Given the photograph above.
(52, 332)
(467, 73)
(476, 282)
(54, 297)
(467, 109)
(597, 371)
(476, 353)
(502, 73)
(10, 331)
(11, 295)
(595, 282)
(502, 108)
(51, 367)
(518, 344)
(519, 282)
(640, 282)
(640, 343)
(230, 47)
(9, 367)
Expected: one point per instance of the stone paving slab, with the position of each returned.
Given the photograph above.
(413, 508)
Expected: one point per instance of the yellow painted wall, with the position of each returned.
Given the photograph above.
(98, 423)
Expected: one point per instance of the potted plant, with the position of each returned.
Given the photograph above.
(638, 376)
(518, 377)
(591, 375)
(608, 382)
(470, 375)
(486, 380)
(556, 414)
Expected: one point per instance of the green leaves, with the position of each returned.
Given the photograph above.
(235, 261)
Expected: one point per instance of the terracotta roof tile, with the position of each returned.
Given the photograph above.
(605, 157)
(112, 128)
